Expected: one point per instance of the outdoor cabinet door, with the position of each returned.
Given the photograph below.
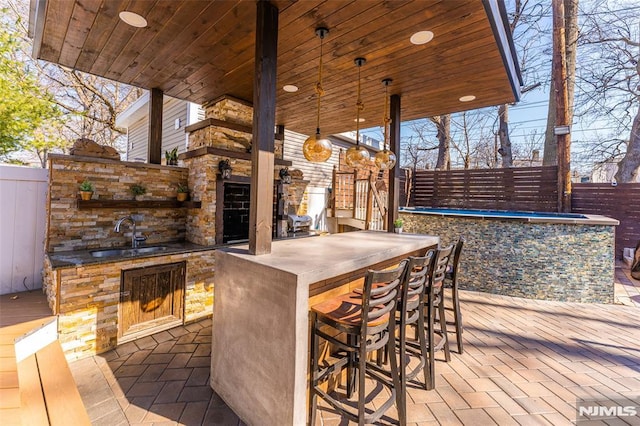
(151, 297)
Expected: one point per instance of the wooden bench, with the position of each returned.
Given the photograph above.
(48, 393)
(36, 385)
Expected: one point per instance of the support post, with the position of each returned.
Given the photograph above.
(264, 104)
(563, 141)
(154, 146)
(394, 146)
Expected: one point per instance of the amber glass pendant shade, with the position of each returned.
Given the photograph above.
(385, 159)
(317, 148)
(357, 156)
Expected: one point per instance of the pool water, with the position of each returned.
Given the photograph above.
(492, 213)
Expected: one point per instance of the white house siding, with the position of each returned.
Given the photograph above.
(137, 134)
(173, 110)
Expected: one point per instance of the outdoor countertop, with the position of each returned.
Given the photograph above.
(72, 259)
(75, 258)
(325, 257)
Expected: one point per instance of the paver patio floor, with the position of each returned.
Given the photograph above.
(524, 362)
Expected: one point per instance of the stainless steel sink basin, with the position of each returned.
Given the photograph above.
(128, 252)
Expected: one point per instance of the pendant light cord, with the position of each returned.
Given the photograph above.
(359, 107)
(386, 118)
(319, 89)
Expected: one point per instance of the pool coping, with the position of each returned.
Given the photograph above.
(590, 219)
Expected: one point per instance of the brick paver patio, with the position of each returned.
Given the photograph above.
(525, 362)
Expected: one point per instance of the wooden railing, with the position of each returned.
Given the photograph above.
(363, 199)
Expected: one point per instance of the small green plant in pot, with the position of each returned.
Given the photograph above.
(137, 190)
(172, 157)
(183, 192)
(86, 190)
(397, 225)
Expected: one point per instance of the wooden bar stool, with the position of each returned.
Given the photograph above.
(434, 302)
(368, 320)
(451, 281)
(410, 313)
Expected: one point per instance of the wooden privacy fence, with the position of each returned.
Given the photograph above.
(519, 188)
(621, 202)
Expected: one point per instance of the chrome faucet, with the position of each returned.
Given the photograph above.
(134, 240)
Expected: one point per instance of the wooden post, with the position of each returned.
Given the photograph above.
(264, 120)
(559, 76)
(394, 146)
(354, 210)
(369, 201)
(154, 147)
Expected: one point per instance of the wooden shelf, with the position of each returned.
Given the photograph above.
(204, 150)
(134, 204)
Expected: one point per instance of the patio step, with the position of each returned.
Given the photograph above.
(36, 385)
(48, 392)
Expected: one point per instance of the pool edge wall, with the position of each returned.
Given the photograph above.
(571, 262)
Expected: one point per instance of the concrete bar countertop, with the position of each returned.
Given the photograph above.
(259, 358)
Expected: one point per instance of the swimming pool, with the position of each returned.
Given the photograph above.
(549, 256)
(503, 214)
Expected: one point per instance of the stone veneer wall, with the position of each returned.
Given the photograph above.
(545, 261)
(234, 111)
(88, 303)
(70, 228)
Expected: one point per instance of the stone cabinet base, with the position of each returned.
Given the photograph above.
(86, 298)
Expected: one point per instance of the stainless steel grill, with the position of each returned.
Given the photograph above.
(298, 223)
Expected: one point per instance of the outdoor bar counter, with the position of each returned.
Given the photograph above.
(259, 359)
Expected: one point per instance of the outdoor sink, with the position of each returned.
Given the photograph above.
(130, 252)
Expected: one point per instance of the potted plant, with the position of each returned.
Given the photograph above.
(137, 190)
(183, 192)
(397, 226)
(86, 190)
(172, 157)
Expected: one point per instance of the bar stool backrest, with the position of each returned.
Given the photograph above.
(380, 297)
(440, 267)
(417, 274)
(453, 271)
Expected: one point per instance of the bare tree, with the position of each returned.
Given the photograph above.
(609, 88)
(419, 149)
(90, 104)
(443, 126)
(524, 27)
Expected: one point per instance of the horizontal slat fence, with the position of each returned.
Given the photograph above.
(518, 188)
(621, 202)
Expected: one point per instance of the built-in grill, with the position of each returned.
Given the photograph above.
(298, 223)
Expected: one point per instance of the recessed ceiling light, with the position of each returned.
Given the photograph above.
(421, 37)
(133, 19)
(467, 98)
(359, 120)
(290, 88)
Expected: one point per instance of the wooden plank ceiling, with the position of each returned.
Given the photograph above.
(201, 50)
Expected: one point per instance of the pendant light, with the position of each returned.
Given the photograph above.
(358, 156)
(317, 148)
(386, 159)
